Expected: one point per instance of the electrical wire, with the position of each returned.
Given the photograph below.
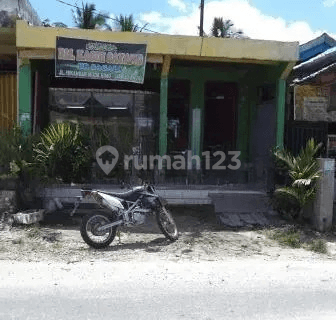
(104, 16)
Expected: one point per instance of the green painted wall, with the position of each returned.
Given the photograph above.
(280, 114)
(198, 77)
(25, 97)
(246, 100)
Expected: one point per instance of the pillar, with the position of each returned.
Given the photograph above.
(164, 106)
(24, 95)
(197, 105)
(280, 111)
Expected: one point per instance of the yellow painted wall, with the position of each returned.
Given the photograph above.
(29, 37)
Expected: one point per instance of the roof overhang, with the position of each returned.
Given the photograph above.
(39, 42)
(324, 38)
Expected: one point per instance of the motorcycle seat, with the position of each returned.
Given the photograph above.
(123, 195)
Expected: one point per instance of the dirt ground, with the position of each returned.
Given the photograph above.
(201, 239)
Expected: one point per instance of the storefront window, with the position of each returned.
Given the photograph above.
(125, 119)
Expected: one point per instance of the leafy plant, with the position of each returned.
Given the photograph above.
(87, 18)
(319, 245)
(126, 24)
(16, 151)
(303, 172)
(47, 23)
(223, 29)
(289, 236)
(63, 153)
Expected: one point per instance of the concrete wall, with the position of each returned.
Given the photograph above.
(323, 204)
(263, 133)
(22, 8)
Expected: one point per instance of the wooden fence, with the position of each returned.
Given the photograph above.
(8, 108)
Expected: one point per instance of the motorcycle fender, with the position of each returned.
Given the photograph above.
(111, 201)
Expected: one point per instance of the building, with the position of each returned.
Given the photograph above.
(21, 9)
(313, 87)
(10, 10)
(198, 94)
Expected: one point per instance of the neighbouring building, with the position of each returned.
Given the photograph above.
(21, 9)
(312, 112)
(198, 94)
(10, 10)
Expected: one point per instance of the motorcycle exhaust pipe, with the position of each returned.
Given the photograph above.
(110, 225)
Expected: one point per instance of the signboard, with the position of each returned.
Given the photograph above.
(89, 59)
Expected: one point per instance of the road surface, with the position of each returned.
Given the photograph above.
(158, 289)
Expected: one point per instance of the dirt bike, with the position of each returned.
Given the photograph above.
(130, 208)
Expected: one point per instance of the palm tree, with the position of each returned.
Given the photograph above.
(223, 29)
(303, 172)
(86, 18)
(126, 24)
(47, 23)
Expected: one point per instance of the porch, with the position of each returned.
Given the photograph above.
(234, 206)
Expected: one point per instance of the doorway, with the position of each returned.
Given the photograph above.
(178, 116)
(220, 116)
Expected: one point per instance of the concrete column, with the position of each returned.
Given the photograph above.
(163, 116)
(197, 107)
(280, 114)
(323, 204)
(243, 121)
(164, 106)
(196, 132)
(24, 95)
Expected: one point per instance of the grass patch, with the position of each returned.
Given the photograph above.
(18, 241)
(56, 246)
(118, 234)
(319, 246)
(289, 238)
(33, 232)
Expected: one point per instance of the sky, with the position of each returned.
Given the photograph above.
(285, 20)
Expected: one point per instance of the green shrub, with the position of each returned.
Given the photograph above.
(290, 237)
(63, 153)
(16, 151)
(318, 245)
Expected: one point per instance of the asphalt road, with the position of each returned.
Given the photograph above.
(234, 289)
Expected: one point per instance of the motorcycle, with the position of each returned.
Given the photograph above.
(130, 208)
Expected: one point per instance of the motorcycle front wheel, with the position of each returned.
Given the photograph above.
(167, 224)
(90, 233)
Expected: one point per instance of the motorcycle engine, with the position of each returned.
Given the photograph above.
(139, 217)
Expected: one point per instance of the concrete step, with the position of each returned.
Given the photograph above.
(224, 201)
(240, 201)
(174, 197)
(238, 220)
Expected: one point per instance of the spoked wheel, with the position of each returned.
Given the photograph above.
(94, 237)
(167, 224)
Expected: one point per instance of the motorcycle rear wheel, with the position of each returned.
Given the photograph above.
(94, 238)
(167, 224)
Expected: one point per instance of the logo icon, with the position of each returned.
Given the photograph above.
(107, 157)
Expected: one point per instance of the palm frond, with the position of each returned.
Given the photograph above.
(303, 171)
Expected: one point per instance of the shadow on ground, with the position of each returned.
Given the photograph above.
(187, 219)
